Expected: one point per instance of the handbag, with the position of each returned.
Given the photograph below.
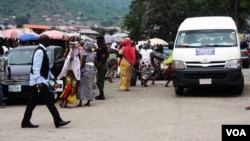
(71, 99)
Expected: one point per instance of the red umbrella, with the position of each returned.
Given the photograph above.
(53, 34)
(13, 33)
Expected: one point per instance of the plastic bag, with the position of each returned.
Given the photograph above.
(71, 99)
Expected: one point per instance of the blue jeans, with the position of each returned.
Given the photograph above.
(1, 94)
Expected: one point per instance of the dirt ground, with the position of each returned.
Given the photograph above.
(153, 113)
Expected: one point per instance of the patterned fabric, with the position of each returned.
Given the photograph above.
(71, 85)
(157, 67)
(112, 67)
(125, 73)
(112, 63)
(146, 68)
(89, 45)
(85, 89)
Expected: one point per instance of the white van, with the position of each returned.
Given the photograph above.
(207, 53)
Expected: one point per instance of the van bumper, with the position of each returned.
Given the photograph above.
(191, 77)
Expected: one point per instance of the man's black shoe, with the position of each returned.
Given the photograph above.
(29, 125)
(61, 123)
(100, 97)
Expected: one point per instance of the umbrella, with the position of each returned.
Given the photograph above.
(28, 37)
(13, 33)
(84, 37)
(53, 34)
(121, 35)
(157, 41)
(71, 36)
(108, 38)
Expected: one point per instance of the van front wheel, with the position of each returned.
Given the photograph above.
(179, 90)
(239, 89)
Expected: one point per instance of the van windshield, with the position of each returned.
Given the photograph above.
(206, 38)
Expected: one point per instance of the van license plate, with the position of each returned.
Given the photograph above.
(14, 88)
(205, 81)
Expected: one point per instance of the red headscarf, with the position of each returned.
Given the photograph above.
(129, 52)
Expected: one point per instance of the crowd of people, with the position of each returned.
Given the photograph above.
(87, 65)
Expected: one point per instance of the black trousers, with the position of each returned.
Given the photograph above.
(44, 96)
(102, 70)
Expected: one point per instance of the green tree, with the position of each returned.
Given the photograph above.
(161, 18)
(133, 20)
(20, 20)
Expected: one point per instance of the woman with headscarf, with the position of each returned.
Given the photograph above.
(128, 59)
(146, 67)
(88, 72)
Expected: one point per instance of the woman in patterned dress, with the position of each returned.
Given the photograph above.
(88, 71)
(146, 67)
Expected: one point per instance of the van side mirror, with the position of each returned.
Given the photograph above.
(243, 44)
(171, 45)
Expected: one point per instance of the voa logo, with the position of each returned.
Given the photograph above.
(236, 132)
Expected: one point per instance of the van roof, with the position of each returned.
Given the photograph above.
(208, 22)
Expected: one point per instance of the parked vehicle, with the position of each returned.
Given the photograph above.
(16, 81)
(207, 53)
(245, 54)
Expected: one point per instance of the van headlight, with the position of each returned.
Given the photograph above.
(178, 65)
(233, 64)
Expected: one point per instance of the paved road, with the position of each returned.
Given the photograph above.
(154, 113)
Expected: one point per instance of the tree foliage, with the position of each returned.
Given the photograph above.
(161, 18)
(20, 20)
(96, 11)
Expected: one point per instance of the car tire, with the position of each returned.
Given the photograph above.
(179, 90)
(247, 65)
(239, 89)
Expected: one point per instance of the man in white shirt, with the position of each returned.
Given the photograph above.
(39, 79)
